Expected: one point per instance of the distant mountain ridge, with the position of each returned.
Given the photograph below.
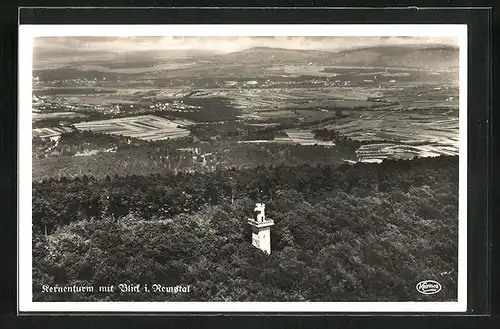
(414, 56)
(279, 50)
(430, 56)
(269, 54)
(409, 56)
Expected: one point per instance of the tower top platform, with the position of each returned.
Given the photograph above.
(255, 223)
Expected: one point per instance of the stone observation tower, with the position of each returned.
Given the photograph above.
(261, 229)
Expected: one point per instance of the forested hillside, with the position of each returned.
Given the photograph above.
(365, 232)
(86, 155)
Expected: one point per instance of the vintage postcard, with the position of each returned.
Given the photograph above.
(242, 168)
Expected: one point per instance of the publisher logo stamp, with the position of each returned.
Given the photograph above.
(428, 287)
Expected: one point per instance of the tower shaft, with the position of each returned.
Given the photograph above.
(261, 234)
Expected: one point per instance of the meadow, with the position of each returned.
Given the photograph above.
(146, 127)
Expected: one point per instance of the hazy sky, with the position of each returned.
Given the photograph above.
(225, 44)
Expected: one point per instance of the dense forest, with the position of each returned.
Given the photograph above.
(365, 232)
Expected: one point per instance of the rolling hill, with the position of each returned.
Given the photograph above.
(442, 57)
(445, 57)
(268, 55)
(195, 63)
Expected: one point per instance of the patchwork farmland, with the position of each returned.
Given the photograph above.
(379, 152)
(295, 136)
(402, 134)
(146, 127)
(305, 137)
(265, 98)
(50, 132)
(408, 127)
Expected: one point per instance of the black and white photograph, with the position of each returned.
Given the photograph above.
(246, 168)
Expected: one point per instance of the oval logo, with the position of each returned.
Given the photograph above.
(428, 287)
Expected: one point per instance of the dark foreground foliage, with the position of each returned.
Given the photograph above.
(367, 232)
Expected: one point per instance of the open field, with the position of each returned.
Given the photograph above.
(50, 132)
(147, 127)
(305, 137)
(294, 136)
(284, 140)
